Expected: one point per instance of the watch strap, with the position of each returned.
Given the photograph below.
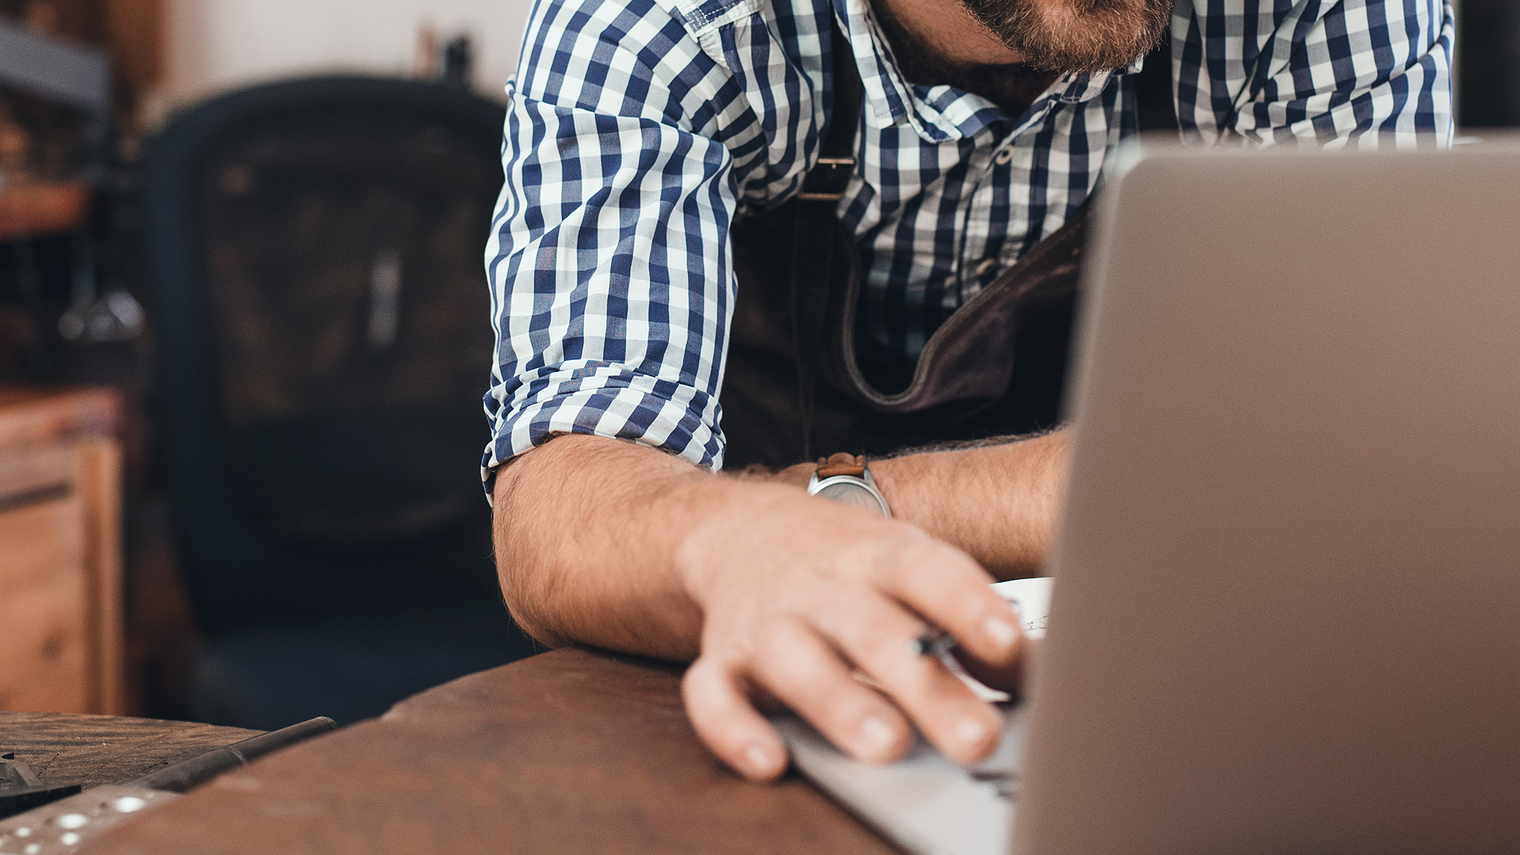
(841, 464)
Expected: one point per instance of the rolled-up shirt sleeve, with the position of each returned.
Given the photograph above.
(1364, 73)
(608, 261)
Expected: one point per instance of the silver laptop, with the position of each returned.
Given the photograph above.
(1286, 610)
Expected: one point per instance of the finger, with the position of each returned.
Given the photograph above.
(716, 694)
(877, 634)
(952, 592)
(799, 667)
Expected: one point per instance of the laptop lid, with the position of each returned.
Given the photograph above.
(1287, 608)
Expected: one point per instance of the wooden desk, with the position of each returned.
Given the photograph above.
(60, 550)
(100, 749)
(566, 752)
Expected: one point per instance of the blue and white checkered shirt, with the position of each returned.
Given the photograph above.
(638, 130)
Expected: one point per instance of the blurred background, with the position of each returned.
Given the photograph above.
(243, 339)
(209, 45)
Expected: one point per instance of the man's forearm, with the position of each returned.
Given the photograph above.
(585, 529)
(996, 502)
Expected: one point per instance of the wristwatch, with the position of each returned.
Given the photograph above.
(845, 478)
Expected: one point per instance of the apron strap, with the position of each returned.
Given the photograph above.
(814, 229)
(1047, 274)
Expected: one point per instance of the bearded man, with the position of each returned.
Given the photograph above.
(764, 230)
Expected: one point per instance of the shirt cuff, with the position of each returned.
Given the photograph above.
(658, 413)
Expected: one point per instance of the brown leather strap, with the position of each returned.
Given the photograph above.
(813, 236)
(996, 367)
(841, 464)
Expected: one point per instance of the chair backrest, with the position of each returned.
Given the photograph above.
(323, 332)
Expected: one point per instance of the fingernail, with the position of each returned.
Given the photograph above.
(1001, 630)
(759, 761)
(876, 736)
(970, 732)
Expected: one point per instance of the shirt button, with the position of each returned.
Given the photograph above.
(1003, 156)
(986, 266)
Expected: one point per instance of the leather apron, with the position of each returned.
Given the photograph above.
(800, 383)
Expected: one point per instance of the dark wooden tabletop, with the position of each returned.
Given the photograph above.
(64, 748)
(567, 752)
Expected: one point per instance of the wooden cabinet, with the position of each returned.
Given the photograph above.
(60, 551)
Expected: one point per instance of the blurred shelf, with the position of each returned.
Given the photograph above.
(43, 208)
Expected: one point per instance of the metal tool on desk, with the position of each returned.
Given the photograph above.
(62, 824)
(21, 789)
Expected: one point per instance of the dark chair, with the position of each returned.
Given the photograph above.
(323, 333)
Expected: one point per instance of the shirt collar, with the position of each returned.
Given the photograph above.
(940, 113)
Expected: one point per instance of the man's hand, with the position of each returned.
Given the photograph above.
(796, 593)
(775, 594)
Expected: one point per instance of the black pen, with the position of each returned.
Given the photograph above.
(936, 642)
(933, 642)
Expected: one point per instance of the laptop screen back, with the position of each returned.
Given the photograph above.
(1287, 616)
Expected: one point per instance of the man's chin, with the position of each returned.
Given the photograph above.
(1075, 37)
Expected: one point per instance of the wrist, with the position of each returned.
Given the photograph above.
(997, 502)
(797, 475)
(894, 481)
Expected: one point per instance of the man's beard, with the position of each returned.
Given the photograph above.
(1075, 35)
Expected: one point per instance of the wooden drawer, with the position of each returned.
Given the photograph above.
(60, 626)
(44, 609)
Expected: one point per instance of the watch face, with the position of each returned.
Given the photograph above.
(850, 493)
